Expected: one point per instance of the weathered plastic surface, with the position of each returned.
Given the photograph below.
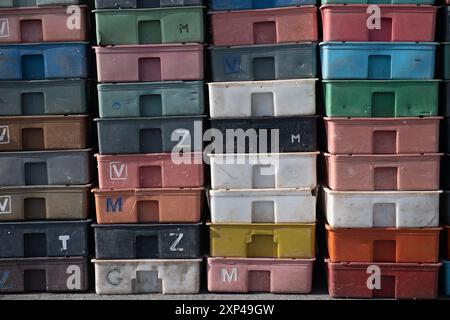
(383, 172)
(137, 4)
(149, 135)
(44, 97)
(405, 23)
(44, 133)
(37, 25)
(264, 26)
(378, 61)
(44, 275)
(150, 26)
(218, 5)
(263, 206)
(398, 280)
(150, 63)
(34, 3)
(264, 62)
(263, 240)
(383, 135)
(144, 241)
(260, 275)
(412, 245)
(45, 203)
(44, 61)
(280, 98)
(44, 239)
(381, 99)
(148, 206)
(264, 171)
(147, 276)
(446, 272)
(382, 209)
(150, 171)
(39, 168)
(162, 99)
(431, 2)
(296, 134)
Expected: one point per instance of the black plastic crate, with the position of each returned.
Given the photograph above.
(148, 241)
(44, 239)
(296, 134)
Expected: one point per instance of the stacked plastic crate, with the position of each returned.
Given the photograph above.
(151, 174)
(44, 131)
(263, 170)
(382, 205)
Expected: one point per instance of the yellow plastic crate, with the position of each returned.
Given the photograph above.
(263, 240)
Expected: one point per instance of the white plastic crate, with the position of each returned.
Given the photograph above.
(147, 276)
(264, 171)
(279, 98)
(263, 206)
(382, 209)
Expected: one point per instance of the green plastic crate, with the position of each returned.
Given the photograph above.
(430, 2)
(381, 99)
(150, 26)
(156, 99)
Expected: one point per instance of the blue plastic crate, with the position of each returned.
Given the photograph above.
(378, 61)
(218, 5)
(44, 61)
(446, 278)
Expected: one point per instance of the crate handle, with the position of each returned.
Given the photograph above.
(262, 233)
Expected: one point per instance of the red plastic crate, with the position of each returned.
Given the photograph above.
(399, 23)
(397, 280)
(149, 171)
(265, 26)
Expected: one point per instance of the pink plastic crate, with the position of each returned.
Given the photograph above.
(260, 275)
(148, 171)
(150, 63)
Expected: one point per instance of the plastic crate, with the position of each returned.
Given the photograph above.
(264, 62)
(152, 171)
(44, 133)
(378, 61)
(148, 206)
(260, 275)
(147, 276)
(349, 280)
(295, 134)
(150, 26)
(263, 206)
(44, 97)
(163, 241)
(383, 172)
(383, 135)
(264, 171)
(398, 23)
(382, 209)
(280, 98)
(217, 5)
(37, 25)
(162, 99)
(149, 135)
(34, 3)
(263, 240)
(150, 63)
(45, 203)
(44, 239)
(392, 245)
(44, 275)
(446, 278)
(418, 2)
(137, 4)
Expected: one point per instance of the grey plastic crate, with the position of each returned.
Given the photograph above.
(151, 99)
(264, 62)
(44, 97)
(148, 135)
(33, 3)
(44, 239)
(70, 167)
(133, 4)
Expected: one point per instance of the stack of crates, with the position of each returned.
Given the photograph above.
(382, 200)
(44, 133)
(263, 200)
(151, 175)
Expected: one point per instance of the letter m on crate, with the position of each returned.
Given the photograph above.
(113, 206)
